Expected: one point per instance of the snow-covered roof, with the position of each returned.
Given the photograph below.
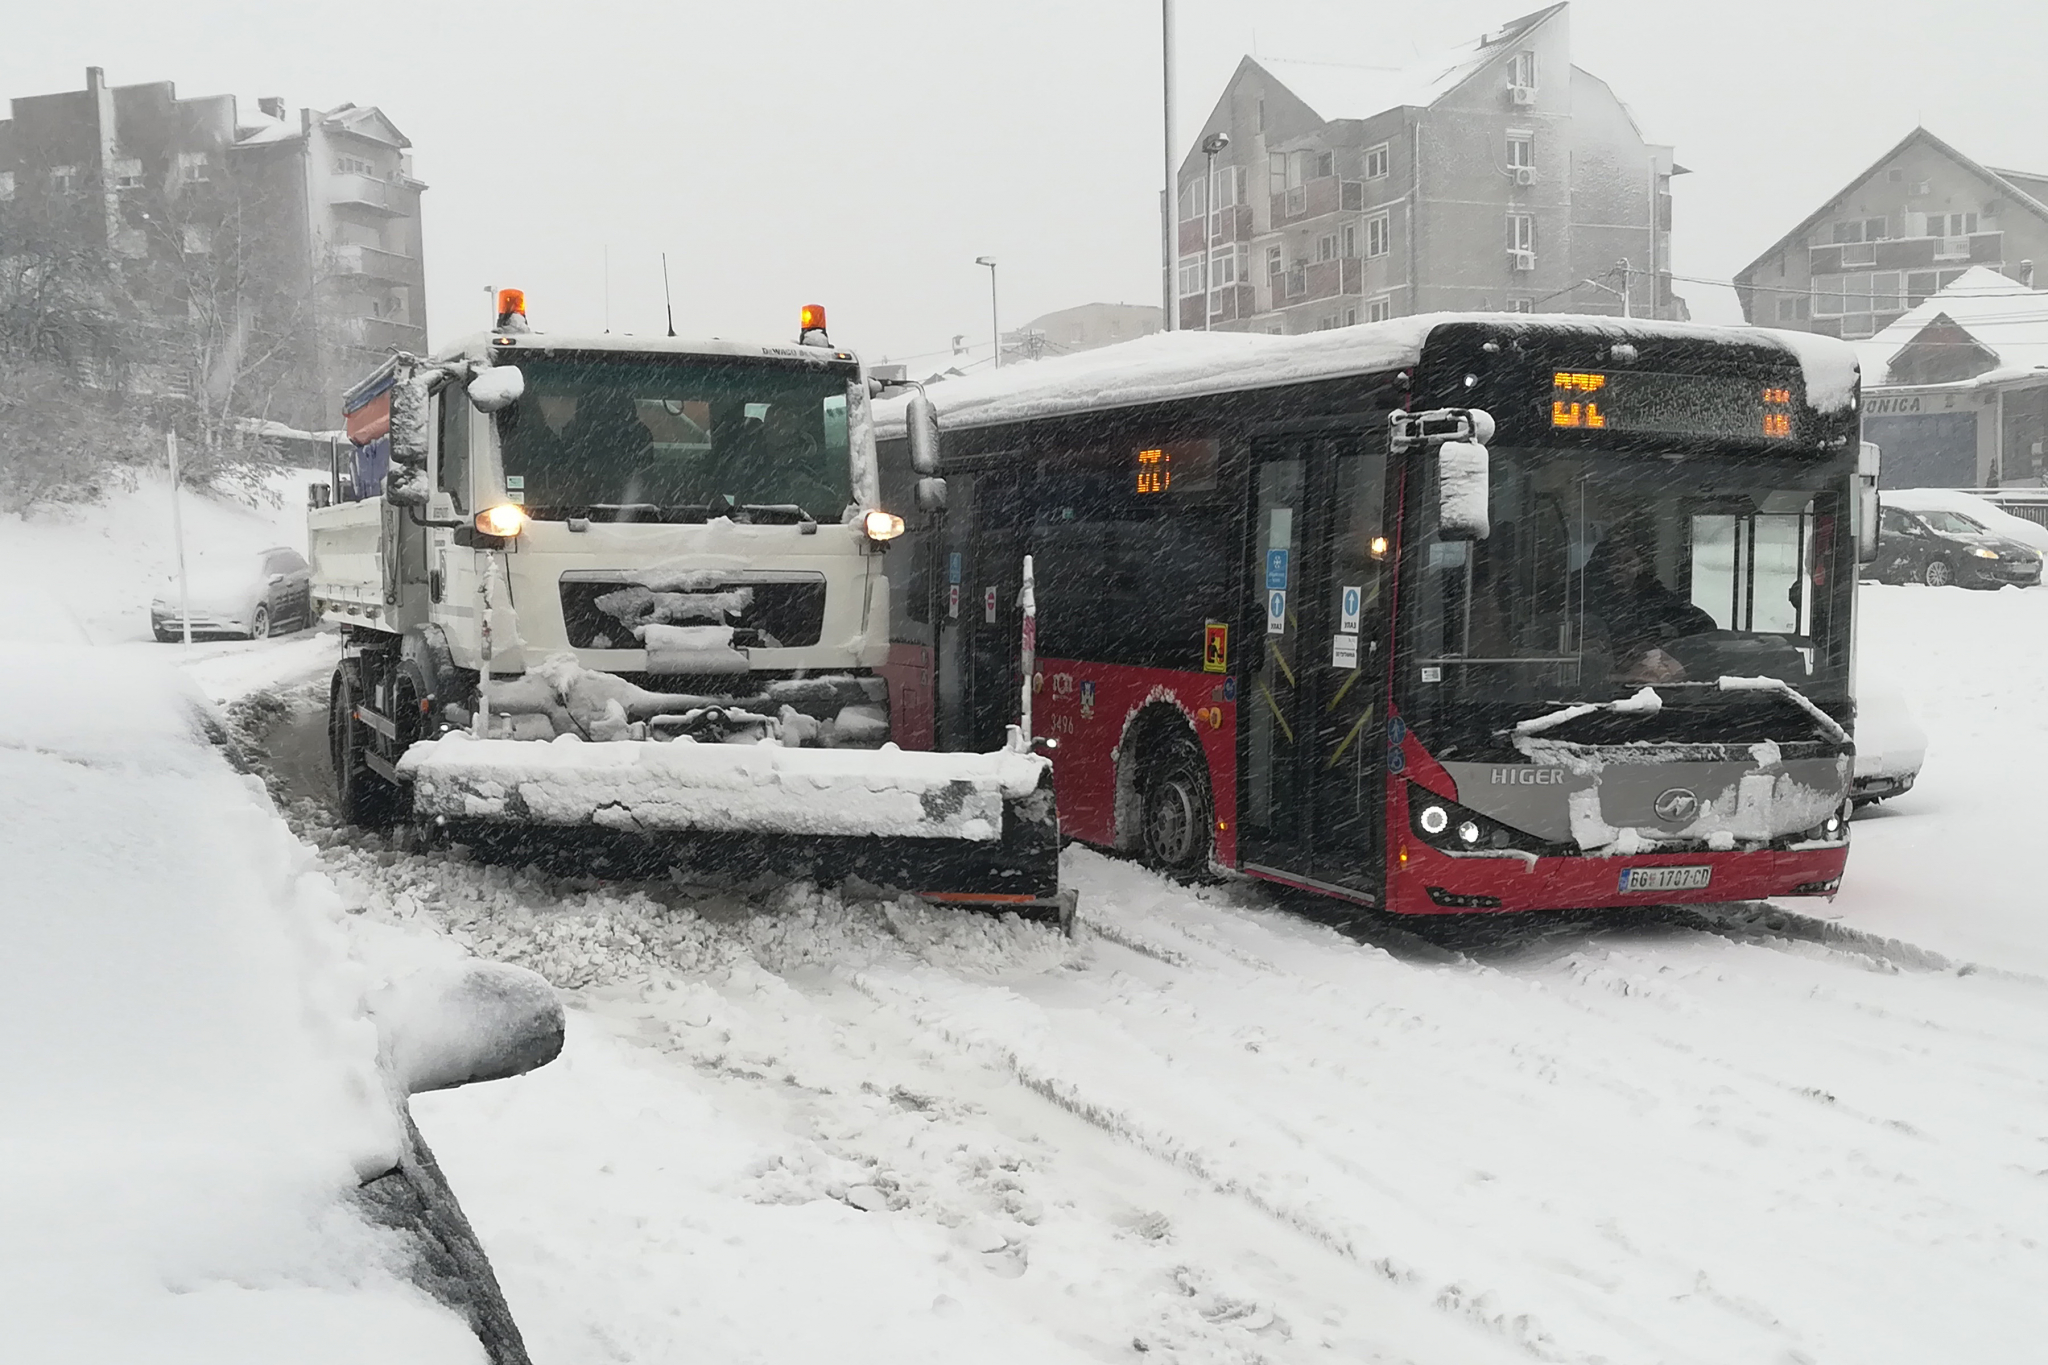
(2005, 317)
(1173, 365)
(1339, 91)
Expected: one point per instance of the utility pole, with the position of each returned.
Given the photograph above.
(178, 538)
(1169, 196)
(1627, 310)
(1211, 145)
(995, 328)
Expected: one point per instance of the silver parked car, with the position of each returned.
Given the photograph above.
(256, 596)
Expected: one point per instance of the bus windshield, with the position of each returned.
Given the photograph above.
(1608, 572)
(634, 438)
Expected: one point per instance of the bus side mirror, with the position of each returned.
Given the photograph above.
(921, 425)
(1462, 484)
(1868, 512)
(496, 388)
(931, 495)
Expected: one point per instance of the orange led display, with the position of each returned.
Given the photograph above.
(1155, 471)
(1573, 415)
(1778, 424)
(1580, 383)
(1778, 397)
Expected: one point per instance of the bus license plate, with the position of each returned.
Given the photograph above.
(1665, 878)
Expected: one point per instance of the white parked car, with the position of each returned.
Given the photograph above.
(205, 1087)
(1890, 747)
(256, 595)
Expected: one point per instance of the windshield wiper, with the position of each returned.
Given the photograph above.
(1644, 703)
(1791, 693)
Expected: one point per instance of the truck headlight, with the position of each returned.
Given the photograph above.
(506, 519)
(882, 525)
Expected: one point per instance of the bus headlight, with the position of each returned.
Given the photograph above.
(1468, 833)
(506, 519)
(1434, 819)
(882, 525)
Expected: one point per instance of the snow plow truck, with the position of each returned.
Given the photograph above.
(632, 594)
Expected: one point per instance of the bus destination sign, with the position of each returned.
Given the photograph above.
(1670, 405)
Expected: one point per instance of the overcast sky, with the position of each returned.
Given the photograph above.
(861, 155)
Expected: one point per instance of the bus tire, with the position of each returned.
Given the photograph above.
(360, 796)
(1176, 805)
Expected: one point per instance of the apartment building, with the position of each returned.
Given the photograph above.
(1903, 230)
(266, 257)
(1495, 176)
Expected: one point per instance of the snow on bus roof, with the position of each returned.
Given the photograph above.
(1171, 365)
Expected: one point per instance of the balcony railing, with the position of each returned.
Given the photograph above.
(383, 334)
(368, 192)
(376, 264)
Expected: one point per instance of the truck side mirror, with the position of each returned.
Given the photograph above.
(931, 495)
(1462, 472)
(921, 425)
(496, 388)
(1869, 461)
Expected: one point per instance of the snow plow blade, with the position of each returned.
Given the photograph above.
(971, 829)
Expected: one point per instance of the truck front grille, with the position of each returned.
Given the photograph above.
(785, 611)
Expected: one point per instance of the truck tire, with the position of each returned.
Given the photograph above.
(1176, 805)
(360, 796)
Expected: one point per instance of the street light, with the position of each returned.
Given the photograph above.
(1211, 145)
(994, 327)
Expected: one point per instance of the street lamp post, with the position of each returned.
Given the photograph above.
(994, 324)
(1211, 145)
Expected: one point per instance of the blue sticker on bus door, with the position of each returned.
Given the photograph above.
(1276, 571)
(953, 567)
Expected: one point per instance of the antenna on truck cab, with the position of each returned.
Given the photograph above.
(666, 296)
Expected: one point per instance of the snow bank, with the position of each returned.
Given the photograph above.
(724, 788)
(190, 1086)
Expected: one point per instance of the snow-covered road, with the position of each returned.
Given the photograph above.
(1216, 1128)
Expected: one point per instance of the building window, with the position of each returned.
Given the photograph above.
(1191, 200)
(1379, 234)
(6, 185)
(1326, 247)
(1792, 309)
(1863, 230)
(1521, 150)
(353, 165)
(1350, 194)
(1522, 232)
(64, 179)
(1951, 224)
(1226, 197)
(1522, 70)
(1326, 165)
(1276, 260)
(1297, 281)
(1376, 159)
(1521, 305)
(128, 173)
(1190, 276)
(1827, 296)
(194, 167)
(1379, 309)
(1348, 246)
(1920, 285)
(1350, 317)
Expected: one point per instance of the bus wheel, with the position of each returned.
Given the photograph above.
(1176, 806)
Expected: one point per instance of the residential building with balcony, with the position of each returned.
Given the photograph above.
(263, 259)
(1496, 176)
(1903, 230)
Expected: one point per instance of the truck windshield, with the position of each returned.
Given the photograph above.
(634, 438)
(1605, 573)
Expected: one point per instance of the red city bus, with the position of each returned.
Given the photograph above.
(1440, 615)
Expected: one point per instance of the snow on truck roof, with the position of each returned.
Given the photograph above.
(1172, 365)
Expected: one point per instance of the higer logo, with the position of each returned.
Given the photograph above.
(1677, 806)
(1527, 777)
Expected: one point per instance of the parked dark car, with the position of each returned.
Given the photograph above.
(1938, 548)
(255, 595)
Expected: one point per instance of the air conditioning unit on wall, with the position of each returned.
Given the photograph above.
(1525, 175)
(1521, 96)
(1521, 260)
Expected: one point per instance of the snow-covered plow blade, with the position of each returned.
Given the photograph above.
(960, 828)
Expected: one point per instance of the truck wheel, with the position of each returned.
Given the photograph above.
(1176, 806)
(361, 797)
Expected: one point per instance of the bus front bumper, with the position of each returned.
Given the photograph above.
(1425, 881)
